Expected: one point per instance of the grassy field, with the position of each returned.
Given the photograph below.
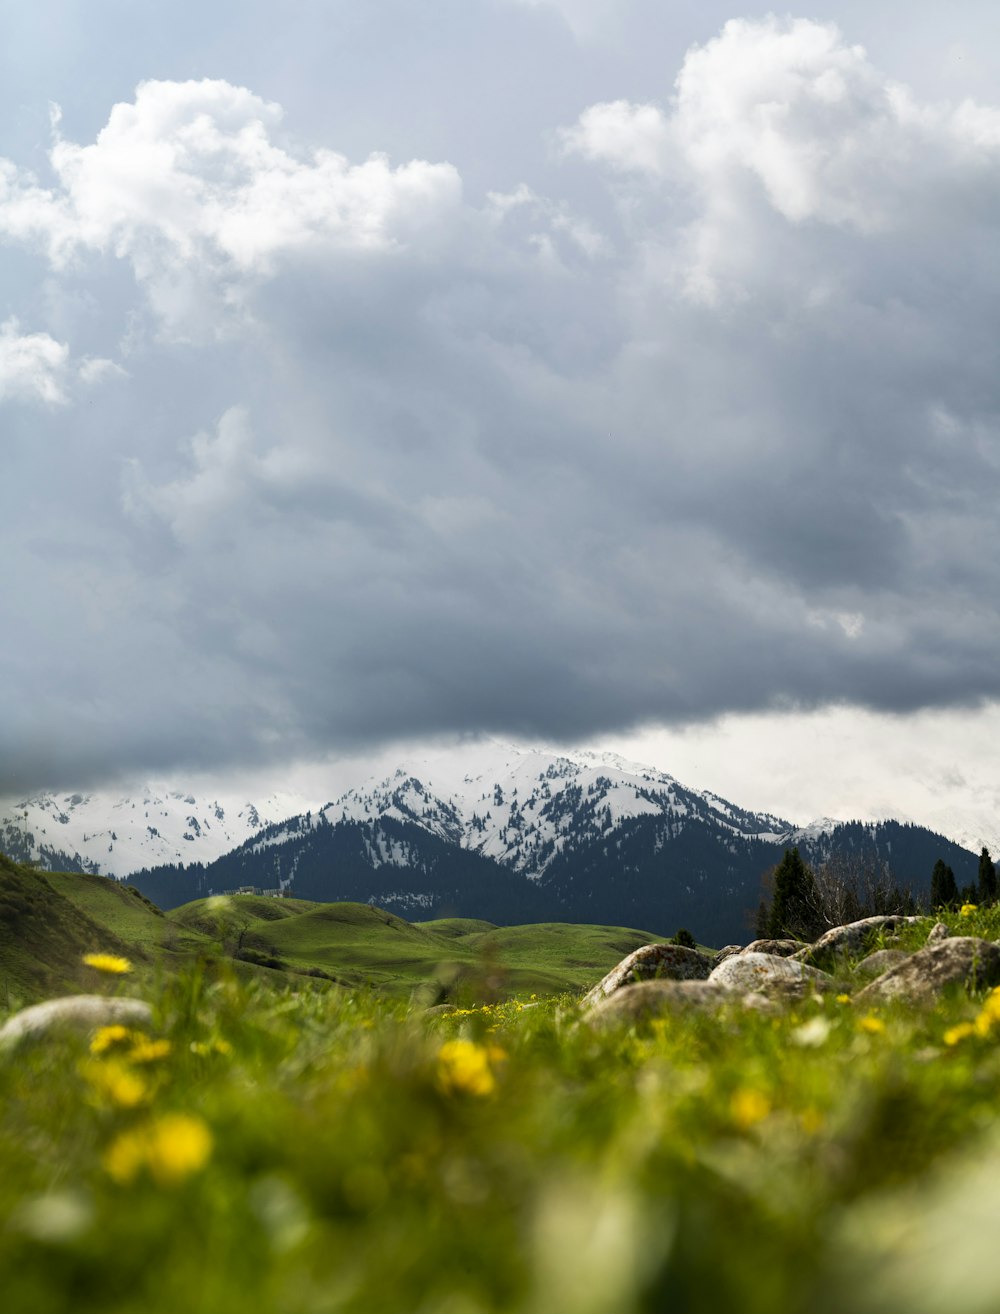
(279, 1143)
(48, 920)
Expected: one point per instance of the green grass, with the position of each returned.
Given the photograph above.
(350, 944)
(341, 1157)
(290, 1146)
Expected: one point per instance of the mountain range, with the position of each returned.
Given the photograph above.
(499, 832)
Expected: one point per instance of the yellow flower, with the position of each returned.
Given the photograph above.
(106, 1038)
(748, 1107)
(148, 1051)
(464, 1067)
(967, 909)
(954, 1034)
(170, 1149)
(117, 1083)
(873, 1025)
(109, 963)
(843, 999)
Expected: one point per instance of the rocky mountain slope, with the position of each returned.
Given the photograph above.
(523, 836)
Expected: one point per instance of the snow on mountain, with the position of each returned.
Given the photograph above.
(114, 834)
(522, 806)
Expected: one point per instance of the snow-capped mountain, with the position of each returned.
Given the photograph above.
(487, 830)
(524, 808)
(113, 834)
(517, 835)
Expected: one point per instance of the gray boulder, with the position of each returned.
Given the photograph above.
(727, 952)
(879, 962)
(960, 961)
(849, 939)
(671, 962)
(779, 948)
(651, 999)
(937, 933)
(769, 974)
(82, 1012)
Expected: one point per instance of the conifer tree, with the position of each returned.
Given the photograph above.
(793, 911)
(763, 920)
(944, 890)
(987, 878)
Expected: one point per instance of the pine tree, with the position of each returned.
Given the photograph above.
(685, 938)
(763, 920)
(987, 878)
(793, 910)
(944, 890)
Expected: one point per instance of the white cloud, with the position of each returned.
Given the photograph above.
(187, 182)
(32, 366)
(779, 124)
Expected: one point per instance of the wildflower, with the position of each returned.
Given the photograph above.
(843, 999)
(956, 1033)
(148, 1051)
(967, 909)
(466, 1068)
(106, 1038)
(109, 963)
(205, 1047)
(873, 1025)
(170, 1149)
(749, 1107)
(811, 1034)
(116, 1083)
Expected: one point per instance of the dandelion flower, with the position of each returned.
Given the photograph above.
(117, 1083)
(109, 963)
(170, 1149)
(843, 999)
(464, 1067)
(967, 909)
(749, 1107)
(106, 1038)
(148, 1051)
(873, 1025)
(956, 1033)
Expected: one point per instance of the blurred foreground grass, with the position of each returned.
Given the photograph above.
(323, 1150)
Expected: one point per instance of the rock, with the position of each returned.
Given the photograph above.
(727, 952)
(779, 948)
(880, 962)
(672, 962)
(768, 973)
(937, 933)
(961, 960)
(849, 939)
(650, 999)
(83, 1012)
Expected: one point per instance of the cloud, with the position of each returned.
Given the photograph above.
(32, 366)
(187, 184)
(392, 461)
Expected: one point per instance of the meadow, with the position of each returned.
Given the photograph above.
(289, 1144)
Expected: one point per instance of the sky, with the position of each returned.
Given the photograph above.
(572, 371)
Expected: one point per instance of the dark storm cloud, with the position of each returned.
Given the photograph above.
(377, 458)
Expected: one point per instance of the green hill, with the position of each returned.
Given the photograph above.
(44, 933)
(48, 921)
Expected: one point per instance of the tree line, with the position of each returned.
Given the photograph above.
(801, 903)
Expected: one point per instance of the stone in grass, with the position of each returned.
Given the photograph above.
(651, 999)
(937, 933)
(780, 948)
(961, 960)
(768, 973)
(726, 952)
(83, 1012)
(850, 938)
(672, 962)
(879, 962)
